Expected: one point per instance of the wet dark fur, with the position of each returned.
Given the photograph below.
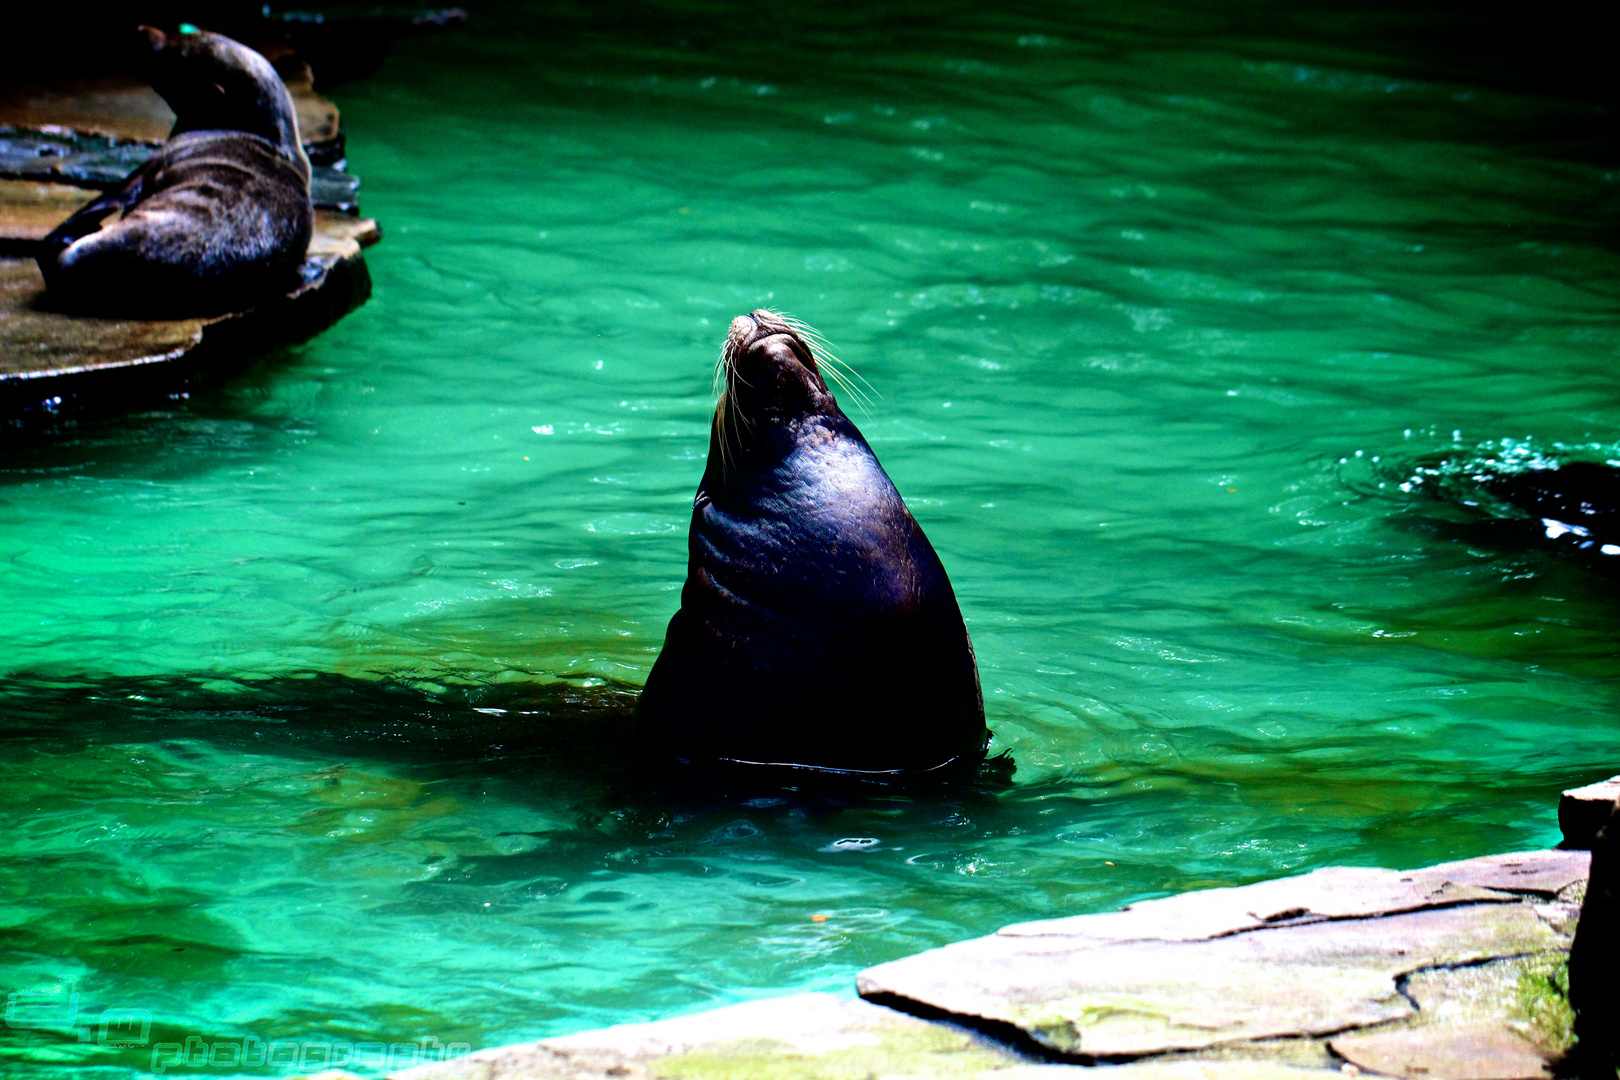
(1582, 496)
(817, 627)
(218, 219)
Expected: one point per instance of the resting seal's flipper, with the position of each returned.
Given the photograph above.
(88, 218)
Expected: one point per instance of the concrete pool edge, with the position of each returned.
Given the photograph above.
(1455, 970)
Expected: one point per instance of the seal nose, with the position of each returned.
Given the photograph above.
(742, 328)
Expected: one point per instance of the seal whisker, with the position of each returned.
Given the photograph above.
(729, 417)
(844, 385)
(849, 369)
(839, 371)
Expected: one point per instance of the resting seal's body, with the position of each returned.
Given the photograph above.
(218, 219)
(817, 627)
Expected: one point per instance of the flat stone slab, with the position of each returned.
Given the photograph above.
(1179, 1070)
(41, 349)
(127, 110)
(805, 1035)
(1450, 972)
(31, 208)
(1480, 1052)
(802, 1037)
(60, 144)
(1583, 811)
(1335, 892)
(1308, 957)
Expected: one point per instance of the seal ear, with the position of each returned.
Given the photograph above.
(150, 39)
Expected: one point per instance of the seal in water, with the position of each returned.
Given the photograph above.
(817, 627)
(218, 218)
(1578, 502)
(1571, 509)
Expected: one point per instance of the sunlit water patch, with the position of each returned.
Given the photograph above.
(317, 686)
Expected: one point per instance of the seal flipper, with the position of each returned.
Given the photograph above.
(87, 220)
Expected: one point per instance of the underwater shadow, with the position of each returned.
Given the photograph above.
(576, 742)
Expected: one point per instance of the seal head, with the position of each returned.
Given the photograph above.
(817, 626)
(218, 219)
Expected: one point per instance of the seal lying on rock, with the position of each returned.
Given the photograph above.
(218, 219)
(817, 627)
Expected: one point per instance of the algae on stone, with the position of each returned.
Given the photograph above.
(1543, 1001)
(926, 1052)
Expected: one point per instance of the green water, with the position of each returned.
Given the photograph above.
(1152, 304)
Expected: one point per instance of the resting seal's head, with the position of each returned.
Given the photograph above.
(817, 627)
(215, 84)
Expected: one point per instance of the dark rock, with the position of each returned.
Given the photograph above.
(1583, 811)
(1594, 959)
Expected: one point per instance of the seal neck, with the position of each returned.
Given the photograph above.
(216, 84)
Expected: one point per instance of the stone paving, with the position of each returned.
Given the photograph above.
(1450, 972)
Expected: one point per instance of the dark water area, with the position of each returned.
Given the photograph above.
(317, 687)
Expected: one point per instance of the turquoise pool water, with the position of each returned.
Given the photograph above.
(315, 687)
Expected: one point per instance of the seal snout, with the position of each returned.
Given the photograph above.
(771, 331)
(749, 330)
(742, 328)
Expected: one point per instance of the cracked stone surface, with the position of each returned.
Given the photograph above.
(803, 1037)
(1456, 1053)
(1315, 956)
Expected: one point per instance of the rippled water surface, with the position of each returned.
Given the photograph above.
(316, 687)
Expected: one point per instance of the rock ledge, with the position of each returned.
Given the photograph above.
(1451, 972)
